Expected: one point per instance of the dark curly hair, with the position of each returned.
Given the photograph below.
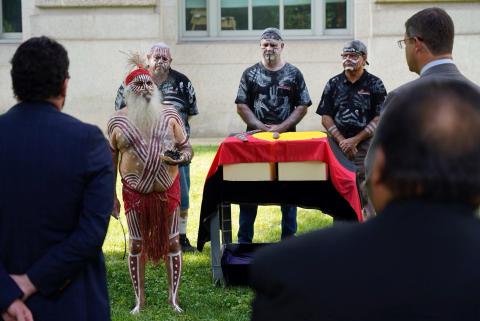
(430, 138)
(39, 68)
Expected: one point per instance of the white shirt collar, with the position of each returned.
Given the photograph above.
(436, 63)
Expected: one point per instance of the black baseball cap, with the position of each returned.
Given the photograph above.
(358, 47)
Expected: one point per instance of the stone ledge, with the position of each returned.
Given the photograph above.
(93, 3)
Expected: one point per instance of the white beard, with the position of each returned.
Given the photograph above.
(142, 113)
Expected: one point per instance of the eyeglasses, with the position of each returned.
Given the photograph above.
(403, 43)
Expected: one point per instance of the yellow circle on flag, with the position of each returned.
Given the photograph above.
(289, 136)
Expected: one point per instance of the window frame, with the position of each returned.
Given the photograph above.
(214, 31)
(8, 36)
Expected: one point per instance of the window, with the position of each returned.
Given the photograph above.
(335, 14)
(297, 14)
(10, 18)
(245, 18)
(196, 15)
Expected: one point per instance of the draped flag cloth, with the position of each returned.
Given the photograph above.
(338, 196)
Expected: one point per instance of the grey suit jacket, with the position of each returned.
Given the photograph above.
(443, 71)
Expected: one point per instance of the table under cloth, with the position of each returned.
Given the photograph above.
(337, 196)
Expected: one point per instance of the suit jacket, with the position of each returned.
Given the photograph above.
(438, 72)
(56, 196)
(415, 261)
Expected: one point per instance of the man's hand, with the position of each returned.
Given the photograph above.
(263, 127)
(17, 311)
(349, 146)
(176, 159)
(277, 128)
(24, 283)
(250, 119)
(116, 208)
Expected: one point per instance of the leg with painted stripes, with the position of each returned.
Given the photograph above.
(174, 262)
(136, 265)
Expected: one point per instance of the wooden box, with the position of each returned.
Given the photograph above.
(302, 171)
(249, 172)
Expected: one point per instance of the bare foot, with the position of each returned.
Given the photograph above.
(176, 307)
(174, 304)
(135, 310)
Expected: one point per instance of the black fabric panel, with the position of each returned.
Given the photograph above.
(308, 194)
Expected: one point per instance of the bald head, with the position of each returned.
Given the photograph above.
(430, 141)
(450, 123)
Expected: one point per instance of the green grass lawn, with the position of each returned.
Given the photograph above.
(200, 299)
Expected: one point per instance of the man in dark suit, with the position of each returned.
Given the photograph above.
(418, 258)
(56, 197)
(428, 44)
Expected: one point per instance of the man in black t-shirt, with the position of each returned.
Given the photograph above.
(273, 97)
(351, 103)
(350, 108)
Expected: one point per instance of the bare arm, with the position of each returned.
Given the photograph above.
(349, 145)
(368, 131)
(295, 117)
(365, 133)
(249, 118)
(329, 125)
(116, 202)
(348, 149)
(115, 159)
(183, 146)
(186, 151)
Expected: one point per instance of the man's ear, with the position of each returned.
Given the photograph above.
(420, 46)
(63, 91)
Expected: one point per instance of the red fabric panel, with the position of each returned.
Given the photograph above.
(153, 211)
(232, 151)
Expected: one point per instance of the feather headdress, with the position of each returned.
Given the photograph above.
(137, 60)
(138, 65)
